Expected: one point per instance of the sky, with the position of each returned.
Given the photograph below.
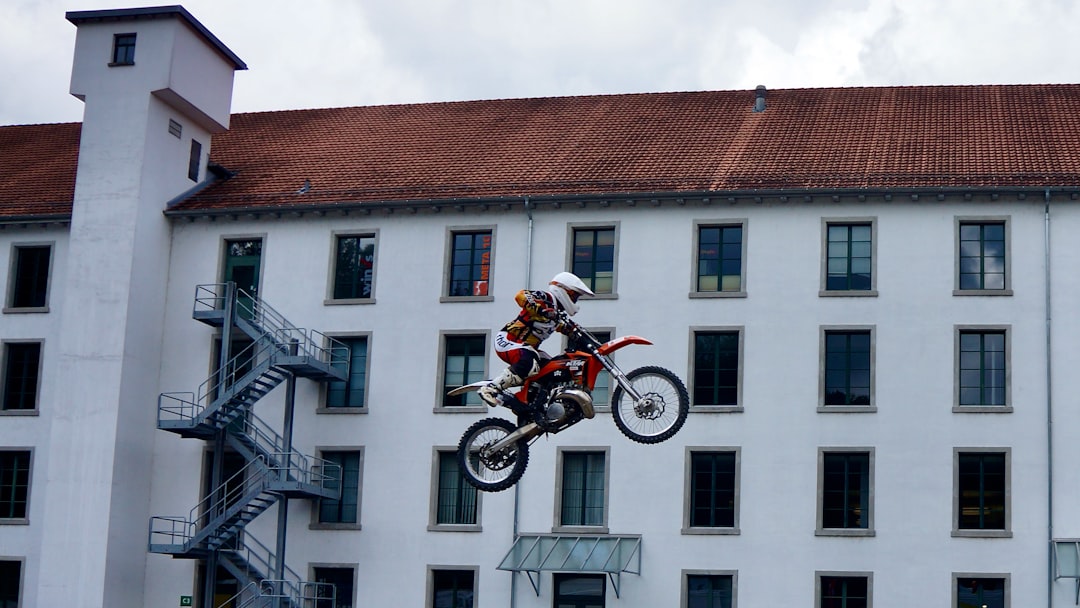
(332, 53)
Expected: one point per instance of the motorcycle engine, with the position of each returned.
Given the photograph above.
(574, 393)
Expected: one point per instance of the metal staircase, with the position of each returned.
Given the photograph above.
(222, 409)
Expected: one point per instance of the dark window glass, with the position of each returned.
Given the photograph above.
(594, 258)
(982, 255)
(21, 365)
(10, 583)
(123, 49)
(716, 368)
(844, 592)
(980, 593)
(982, 368)
(452, 589)
(712, 489)
(194, 161)
(982, 491)
(847, 368)
(350, 393)
(845, 492)
(708, 591)
(849, 257)
(342, 581)
(579, 590)
(457, 499)
(470, 263)
(14, 484)
(719, 263)
(31, 276)
(582, 489)
(345, 509)
(465, 357)
(354, 267)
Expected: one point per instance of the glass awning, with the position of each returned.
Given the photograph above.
(1067, 561)
(608, 554)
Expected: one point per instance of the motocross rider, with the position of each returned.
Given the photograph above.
(518, 342)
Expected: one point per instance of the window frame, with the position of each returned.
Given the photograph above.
(4, 359)
(13, 274)
(823, 333)
(826, 223)
(21, 590)
(331, 281)
(436, 486)
(25, 519)
(1005, 577)
(316, 505)
(869, 530)
(962, 220)
(686, 573)
(128, 58)
(958, 332)
(821, 574)
(688, 499)
(448, 261)
(324, 388)
(695, 252)
(560, 457)
(440, 376)
(429, 593)
(740, 332)
(957, 531)
(571, 231)
(354, 566)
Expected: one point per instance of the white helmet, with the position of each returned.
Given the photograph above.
(567, 287)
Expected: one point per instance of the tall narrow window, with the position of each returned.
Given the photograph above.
(194, 161)
(720, 259)
(982, 491)
(354, 267)
(981, 592)
(982, 256)
(470, 263)
(123, 49)
(716, 368)
(10, 583)
(983, 368)
(453, 588)
(30, 276)
(713, 491)
(457, 500)
(847, 368)
(22, 364)
(845, 492)
(350, 393)
(346, 509)
(464, 363)
(14, 483)
(582, 490)
(709, 590)
(849, 257)
(340, 580)
(843, 591)
(594, 258)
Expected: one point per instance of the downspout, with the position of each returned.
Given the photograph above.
(1049, 411)
(517, 486)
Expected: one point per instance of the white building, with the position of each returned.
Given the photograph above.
(870, 293)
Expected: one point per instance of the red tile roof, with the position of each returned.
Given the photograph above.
(611, 145)
(37, 169)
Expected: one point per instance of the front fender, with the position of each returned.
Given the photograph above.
(617, 343)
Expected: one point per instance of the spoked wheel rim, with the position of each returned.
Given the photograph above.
(487, 470)
(661, 410)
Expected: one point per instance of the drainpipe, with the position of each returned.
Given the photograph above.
(1049, 411)
(517, 486)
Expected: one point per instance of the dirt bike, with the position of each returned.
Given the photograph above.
(648, 405)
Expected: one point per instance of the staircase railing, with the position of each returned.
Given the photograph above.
(278, 593)
(267, 444)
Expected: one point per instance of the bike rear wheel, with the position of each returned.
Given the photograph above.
(492, 471)
(661, 411)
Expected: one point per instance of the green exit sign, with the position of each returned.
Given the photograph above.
(185, 600)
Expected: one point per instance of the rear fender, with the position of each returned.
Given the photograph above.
(461, 390)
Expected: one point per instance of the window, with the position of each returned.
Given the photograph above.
(982, 366)
(452, 588)
(720, 254)
(843, 590)
(14, 484)
(980, 591)
(849, 258)
(123, 49)
(593, 258)
(712, 505)
(717, 369)
(708, 590)
(350, 394)
(847, 372)
(845, 479)
(342, 581)
(982, 256)
(456, 504)
(22, 365)
(194, 161)
(579, 590)
(354, 267)
(346, 509)
(470, 264)
(982, 493)
(581, 494)
(10, 583)
(464, 362)
(30, 277)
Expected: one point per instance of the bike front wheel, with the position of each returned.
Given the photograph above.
(487, 469)
(660, 412)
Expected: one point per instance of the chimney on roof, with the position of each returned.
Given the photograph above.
(759, 98)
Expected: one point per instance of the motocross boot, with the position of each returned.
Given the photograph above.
(491, 392)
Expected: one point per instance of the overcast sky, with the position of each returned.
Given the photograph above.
(329, 53)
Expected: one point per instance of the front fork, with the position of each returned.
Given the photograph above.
(619, 376)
